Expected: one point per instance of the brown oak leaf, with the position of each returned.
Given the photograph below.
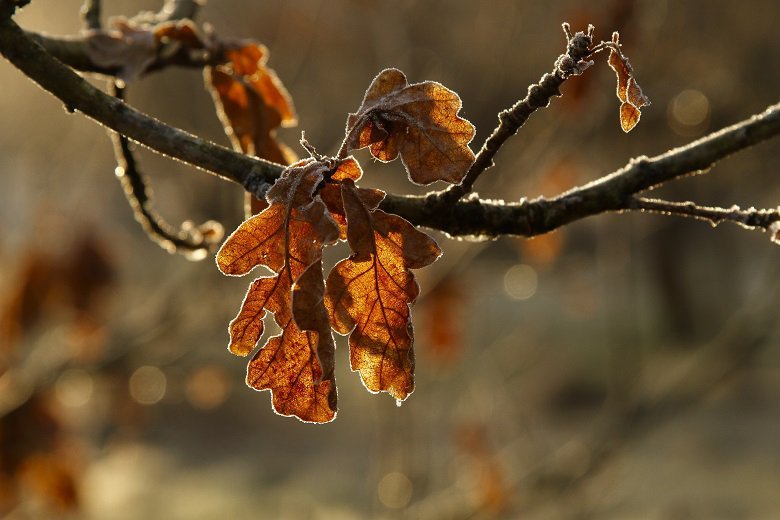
(249, 61)
(287, 237)
(252, 103)
(628, 90)
(418, 121)
(369, 294)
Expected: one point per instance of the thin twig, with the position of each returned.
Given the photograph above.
(539, 95)
(90, 13)
(471, 217)
(750, 218)
(193, 241)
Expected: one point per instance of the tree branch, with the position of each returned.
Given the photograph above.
(751, 218)
(73, 50)
(474, 217)
(178, 10)
(613, 192)
(539, 95)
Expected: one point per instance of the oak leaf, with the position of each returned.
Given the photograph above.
(369, 294)
(628, 90)
(252, 103)
(249, 61)
(418, 121)
(287, 237)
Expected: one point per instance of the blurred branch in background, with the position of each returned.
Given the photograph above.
(193, 241)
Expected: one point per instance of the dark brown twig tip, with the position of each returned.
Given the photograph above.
(90, 13)
(9, 7)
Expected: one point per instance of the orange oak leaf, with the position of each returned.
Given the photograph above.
(419, 121)
(252, 103)
(628, 90)
(249, 121)
(249, 61)
(287, 237)
(369, 294)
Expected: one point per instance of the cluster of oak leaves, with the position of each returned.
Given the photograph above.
(316, 203)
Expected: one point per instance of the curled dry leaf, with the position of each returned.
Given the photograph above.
(628, 90)
(313, 204)
(368, 294)
(419, 121)
(252, 103)
(249, 122)
(287, 237)
(249, 62)
(127, 47)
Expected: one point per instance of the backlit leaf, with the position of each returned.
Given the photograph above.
(419, 121)
(287, 237)
(249, 62)
(252, 103)
(249, 122)
(628, 90)
(369, 294)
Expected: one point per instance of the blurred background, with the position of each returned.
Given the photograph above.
(627, 366)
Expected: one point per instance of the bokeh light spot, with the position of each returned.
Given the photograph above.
(395, 490)
(74, 387)
(521, 281)
(148, 385)
(689, 112)
(208, 387)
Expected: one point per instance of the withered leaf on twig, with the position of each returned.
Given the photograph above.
(252, 103)
(287, 237)
(368, 294)
(127, 47)
(418, 121)
(628, 90)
